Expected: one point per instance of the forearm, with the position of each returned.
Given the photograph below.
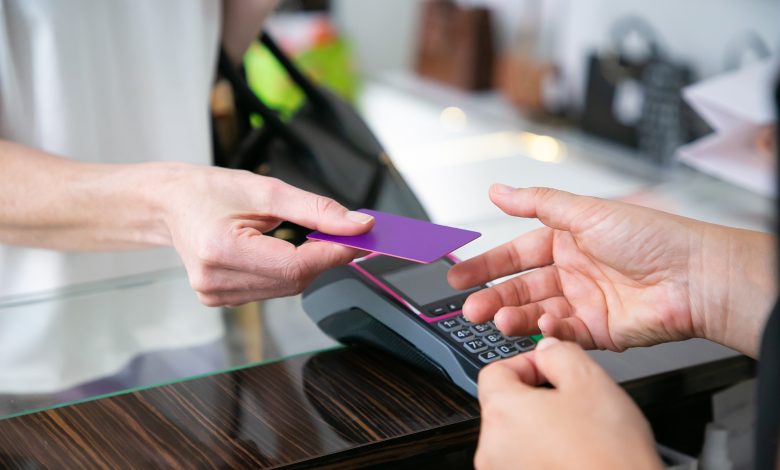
(51, 202)
(737, 286)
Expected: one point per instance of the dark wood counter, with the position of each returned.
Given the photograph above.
(343, 408)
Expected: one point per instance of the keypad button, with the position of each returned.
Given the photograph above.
(507, 350)
(494, 339)
(525, 344)
(436, 311)
(463, 334)
(449, 324)
(453, 306)
(465, 320)
(475, 345)
(482, 328)
(489, 356)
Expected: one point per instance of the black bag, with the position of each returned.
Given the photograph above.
(637, 103)
(325, 148)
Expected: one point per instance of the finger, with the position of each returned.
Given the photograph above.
(311, 210)
(499, 377)
(524, 366)
(276, 265)
(571, 328)
(566, 365)
(524, 320)
(529, 251)
(238, 298)
(234, 298)
(537, 285)
(208, 280)
(245, 250)
(554, 208)
(314, 258)
(358, 252)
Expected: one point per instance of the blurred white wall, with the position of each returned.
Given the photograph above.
(384, 32)
(697, 31)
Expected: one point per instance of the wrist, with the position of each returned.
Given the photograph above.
(752, 289)
(732, 286)
(155, 188)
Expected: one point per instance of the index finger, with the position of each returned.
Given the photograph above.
(313, 211)
(567, 365)
(251, 251)
(517, 371)
(528, 251)
(314, 258)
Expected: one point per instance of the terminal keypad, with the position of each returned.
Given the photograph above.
(483, 340)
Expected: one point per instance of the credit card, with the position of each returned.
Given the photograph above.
(403, 237)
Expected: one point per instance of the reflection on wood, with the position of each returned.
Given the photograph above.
(245, 330)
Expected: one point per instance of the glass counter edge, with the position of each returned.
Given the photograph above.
(94, 287)
(141, 388)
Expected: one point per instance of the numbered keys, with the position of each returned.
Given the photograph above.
(525, 344)
(494, 339)
(450, 324)
(507, 350)
(489, 356)
(482, 328)
(464, 334)
(475, 345)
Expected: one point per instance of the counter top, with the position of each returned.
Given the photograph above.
(344, 408)
(335, 407)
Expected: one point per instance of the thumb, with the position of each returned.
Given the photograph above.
(317, 212)
(552, 207)
(567, 365)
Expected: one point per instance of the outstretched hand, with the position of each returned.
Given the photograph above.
(605, 274)
(218, 221)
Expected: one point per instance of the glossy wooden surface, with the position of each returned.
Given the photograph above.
(345, 407)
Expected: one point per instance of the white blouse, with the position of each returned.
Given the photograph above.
(115, 81)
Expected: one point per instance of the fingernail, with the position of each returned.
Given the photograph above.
(546, 343)
(499, 188)
(359, 217)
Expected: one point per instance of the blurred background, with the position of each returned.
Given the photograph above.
(587, 95)
(665, 104)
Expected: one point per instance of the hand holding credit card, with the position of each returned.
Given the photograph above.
(402, 237)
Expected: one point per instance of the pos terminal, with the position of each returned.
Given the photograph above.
(408, 309)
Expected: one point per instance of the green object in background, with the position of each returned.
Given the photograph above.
(329, 64)
(537, 338)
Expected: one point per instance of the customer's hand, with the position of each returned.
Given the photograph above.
(217, 220)
(612, 275)
(586, 422)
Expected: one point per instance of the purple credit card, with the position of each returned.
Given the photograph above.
(402, 237)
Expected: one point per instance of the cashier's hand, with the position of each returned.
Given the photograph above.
(606, 274)
(587, 421)
(218, 219)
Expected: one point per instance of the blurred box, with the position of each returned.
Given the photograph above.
(456, 45)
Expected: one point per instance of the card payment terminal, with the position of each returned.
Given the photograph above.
(408, 309)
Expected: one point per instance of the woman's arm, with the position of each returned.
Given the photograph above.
(51, 202)
(215, 218)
